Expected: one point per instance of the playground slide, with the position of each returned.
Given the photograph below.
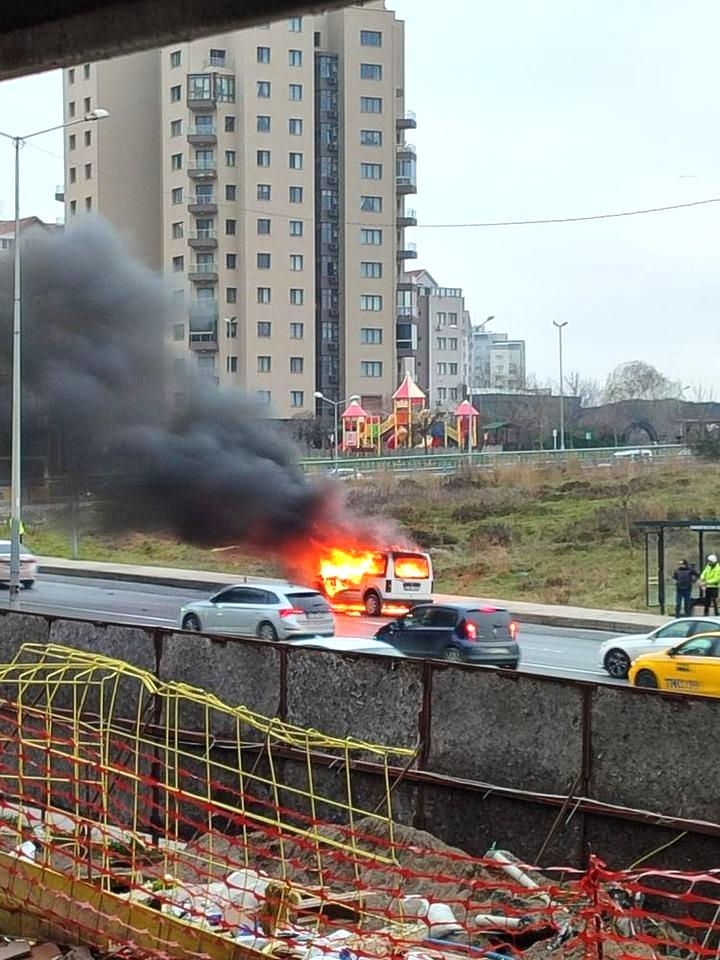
(452, 434)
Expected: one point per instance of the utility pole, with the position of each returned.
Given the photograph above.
(560, 326)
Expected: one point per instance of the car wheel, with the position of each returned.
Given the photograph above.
(373, 606)
(646, 679)
(452, 654)
(617, 663)
(28, 584)
(191, 622)
(266, 631)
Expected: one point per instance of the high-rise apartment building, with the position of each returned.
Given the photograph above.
(497, 363)
(264, 172)
(434, 338)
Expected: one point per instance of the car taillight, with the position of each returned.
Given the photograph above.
(470, 630)
(514, 629)
(291, 612)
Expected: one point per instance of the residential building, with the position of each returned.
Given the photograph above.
(434, 338)
(7, 230)
(272, 194)
(497, 362)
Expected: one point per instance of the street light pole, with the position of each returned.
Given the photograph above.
(560, 326)
(336, 404)
(15, 444)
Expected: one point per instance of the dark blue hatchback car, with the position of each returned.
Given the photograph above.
(470, 633)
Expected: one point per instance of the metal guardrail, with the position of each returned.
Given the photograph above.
(449, 462)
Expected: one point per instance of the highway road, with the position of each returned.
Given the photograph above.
(556, 651)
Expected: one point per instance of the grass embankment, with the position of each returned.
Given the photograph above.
(557, 535)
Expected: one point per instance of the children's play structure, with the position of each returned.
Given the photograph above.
(410, 425)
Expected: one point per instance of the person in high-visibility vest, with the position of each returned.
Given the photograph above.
(710, 581)
(22, 528)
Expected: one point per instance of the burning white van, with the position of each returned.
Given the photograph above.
(387, 581)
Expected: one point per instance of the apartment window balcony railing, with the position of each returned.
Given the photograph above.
(220, 63)
(202, 134)
(407, 252)
(203, 169)
(407, 148)
(408, 218)
(203, 238)
(202, 203)
(406, 120)
(203, 272)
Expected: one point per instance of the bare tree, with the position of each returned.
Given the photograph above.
(638, 380)
(587, 389)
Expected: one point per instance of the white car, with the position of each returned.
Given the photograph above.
(349, 645)
(28, 564)
(617, 654)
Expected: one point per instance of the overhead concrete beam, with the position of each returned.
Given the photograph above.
(40, 35)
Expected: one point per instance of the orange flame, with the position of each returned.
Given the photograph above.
(340, 569)
(411, 567)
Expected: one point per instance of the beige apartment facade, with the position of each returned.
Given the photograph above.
(267, 181)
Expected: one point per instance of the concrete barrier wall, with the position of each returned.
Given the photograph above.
(491, 746)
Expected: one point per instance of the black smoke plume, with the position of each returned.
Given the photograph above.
(97, 372)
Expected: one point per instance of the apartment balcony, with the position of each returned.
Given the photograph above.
(205, 203)
(203, 340)
(406, 121)
(405, 313)
(219, 63)
(408, 252)
(408, 218)
(201, 103)
(206, 170)
(203, 239)
(406, 286)
(202, 134)
(406, 150)
(203, 326)
(60, 193)
(405, 184)
(203, 272)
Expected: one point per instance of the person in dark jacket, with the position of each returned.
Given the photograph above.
(684, 577)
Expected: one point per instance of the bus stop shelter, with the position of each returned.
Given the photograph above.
(656, 567)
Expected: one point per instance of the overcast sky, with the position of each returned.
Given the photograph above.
(529, 110)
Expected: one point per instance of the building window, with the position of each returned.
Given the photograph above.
(295, 25)
(264, 396)
(263, 261)
(371, 270)
(263, 89)
(231, 364)
(263, 295)
(297, 364)
(231, 261)
(370, 38)
(217, 58)
(371, 171)
(86, 71)
(371, 368)
(176, 195)
(178, 264)
(73, 207)
(452, 319)
(297, 398)
(371, 335)
(230, 191)
(296, 194)
(297, 331)
(264, 191)
(453, 368)
(88, 203)
(296, 262)
(297, 296)
(371, 71)
(263, 225)
(442, 393)
(264, 328)
(178, 332)
(73, 174)
(87, 106)
(372, 238)
(229, 158)
(263, 158)
(230, 294)
(441, 318)
(264, 364)
(371, 204)
(71, 109)
(371, 138)
(231, 329)
(229, 124)
(296, 161)
(87, 137)
(225, 89)
(294, 58)
(295, 91)
(441, 343)
(371, 302)
(72, 140)
(263, 124)
(441, 369)
(199, 86)
(175, 93)
(176, 128)
(71, 75)
(453, 393)
(177, 230)
(296, 228)
(263, 54)
(453, 343)
(176, 161)
(175, 58)
(295, 127)
(370, 104)
(230, 228)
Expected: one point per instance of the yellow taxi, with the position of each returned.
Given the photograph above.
(692, 666)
